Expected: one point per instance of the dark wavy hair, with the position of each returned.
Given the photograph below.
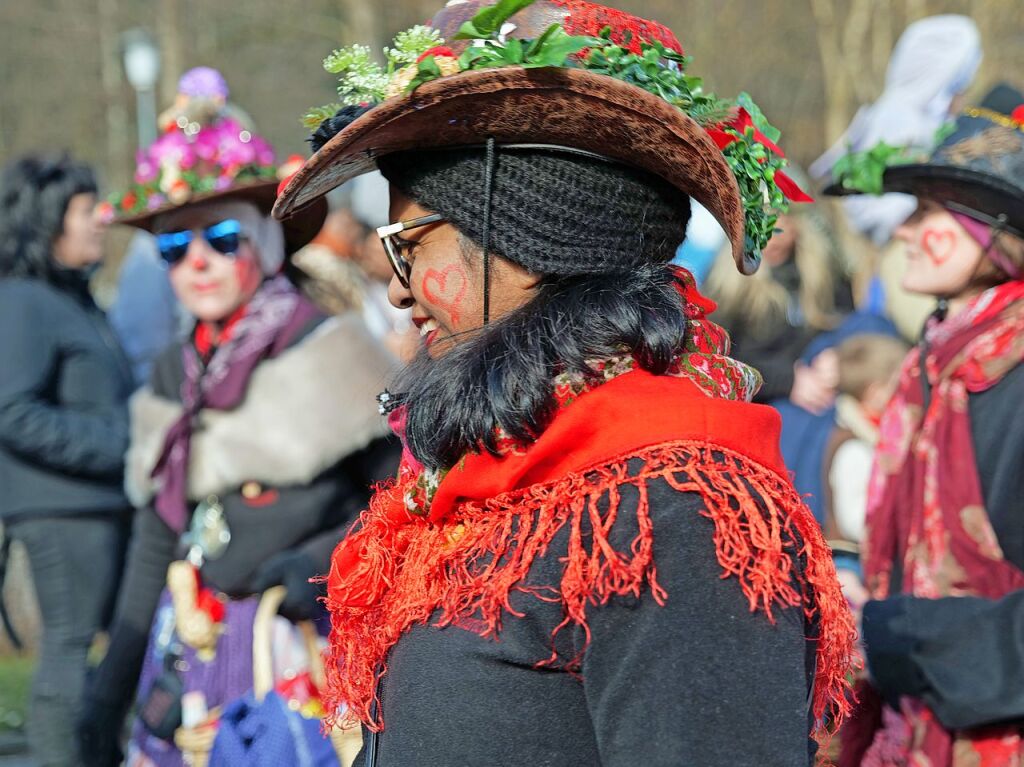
(34, 195)
(503, 376)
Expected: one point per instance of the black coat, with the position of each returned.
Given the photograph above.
(700, 681)
(64, 385)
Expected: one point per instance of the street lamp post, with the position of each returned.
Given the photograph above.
(142, 66)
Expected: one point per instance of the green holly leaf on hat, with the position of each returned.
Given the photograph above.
(317, 115)
(426, 70)
(554, 47)
(757, 116)
(863, 171)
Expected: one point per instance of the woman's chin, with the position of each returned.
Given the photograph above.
(209, 308)
(914, 282)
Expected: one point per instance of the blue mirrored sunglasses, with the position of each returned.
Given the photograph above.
(223, 237)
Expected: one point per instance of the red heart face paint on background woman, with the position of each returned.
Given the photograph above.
(942, 257)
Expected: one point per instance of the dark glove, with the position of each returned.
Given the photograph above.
(99, 734)
(292, 569)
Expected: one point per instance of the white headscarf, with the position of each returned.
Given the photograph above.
(934, 60)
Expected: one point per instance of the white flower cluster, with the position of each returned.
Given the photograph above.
(362, 78)
(411, 44)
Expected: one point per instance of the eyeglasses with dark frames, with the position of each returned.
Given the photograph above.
(394, 245)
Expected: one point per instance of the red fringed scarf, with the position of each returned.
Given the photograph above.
(926, 511)
(457, 545)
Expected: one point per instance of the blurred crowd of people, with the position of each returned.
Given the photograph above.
(215, 433)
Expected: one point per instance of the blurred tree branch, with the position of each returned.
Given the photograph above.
(809, 63)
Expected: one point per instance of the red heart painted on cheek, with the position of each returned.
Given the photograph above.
(446, 288)
(938, 245)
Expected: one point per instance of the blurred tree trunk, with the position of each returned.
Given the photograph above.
(170, 24)
(881, 40)
(118, 156)
(854, 51)
(360, 23)
(837, 90)
(918, 9)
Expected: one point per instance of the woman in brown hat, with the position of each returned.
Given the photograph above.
(944, 558)
(591, 554)
(252, 447)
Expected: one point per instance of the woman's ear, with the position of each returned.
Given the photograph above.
(521, 278)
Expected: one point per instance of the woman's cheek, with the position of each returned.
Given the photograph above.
(938, 244)
(248, 274)
(446, 289)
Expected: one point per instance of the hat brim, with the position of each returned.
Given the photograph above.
(558, 106)
(983, 194)
(299, 227)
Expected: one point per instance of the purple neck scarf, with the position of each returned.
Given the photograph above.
(275, 314)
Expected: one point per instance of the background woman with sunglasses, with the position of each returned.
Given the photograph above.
(63, 428)
(251, 449)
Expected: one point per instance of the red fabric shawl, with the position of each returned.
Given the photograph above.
(926, 511)
(492, 516)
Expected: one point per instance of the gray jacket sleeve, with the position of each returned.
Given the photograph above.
(34, 427)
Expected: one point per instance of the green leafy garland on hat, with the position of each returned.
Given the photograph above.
(863, 171)
(737, 127)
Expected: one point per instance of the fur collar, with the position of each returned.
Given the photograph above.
(303, 412)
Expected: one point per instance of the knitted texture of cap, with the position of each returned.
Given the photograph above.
(551, 213)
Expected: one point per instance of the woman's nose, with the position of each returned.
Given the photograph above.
(904, 233)
(399, 295)
(196, 254)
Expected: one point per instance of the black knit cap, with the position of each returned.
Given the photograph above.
(552, 212)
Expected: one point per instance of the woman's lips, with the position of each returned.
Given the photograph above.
(429, 330)
(205, 287)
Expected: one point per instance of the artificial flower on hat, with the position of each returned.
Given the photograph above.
(606, 82)
(208, 149)
(202, 149)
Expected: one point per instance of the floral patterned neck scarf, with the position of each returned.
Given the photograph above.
(264, 329)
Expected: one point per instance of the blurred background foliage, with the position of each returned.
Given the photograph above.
(809, 63)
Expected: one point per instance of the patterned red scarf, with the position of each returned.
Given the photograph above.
(452, 546)
(926, 510)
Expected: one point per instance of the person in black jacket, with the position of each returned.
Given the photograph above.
(63, 428)
(591, 555)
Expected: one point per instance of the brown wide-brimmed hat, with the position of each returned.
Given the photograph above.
(549, 106)
(562, 106)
